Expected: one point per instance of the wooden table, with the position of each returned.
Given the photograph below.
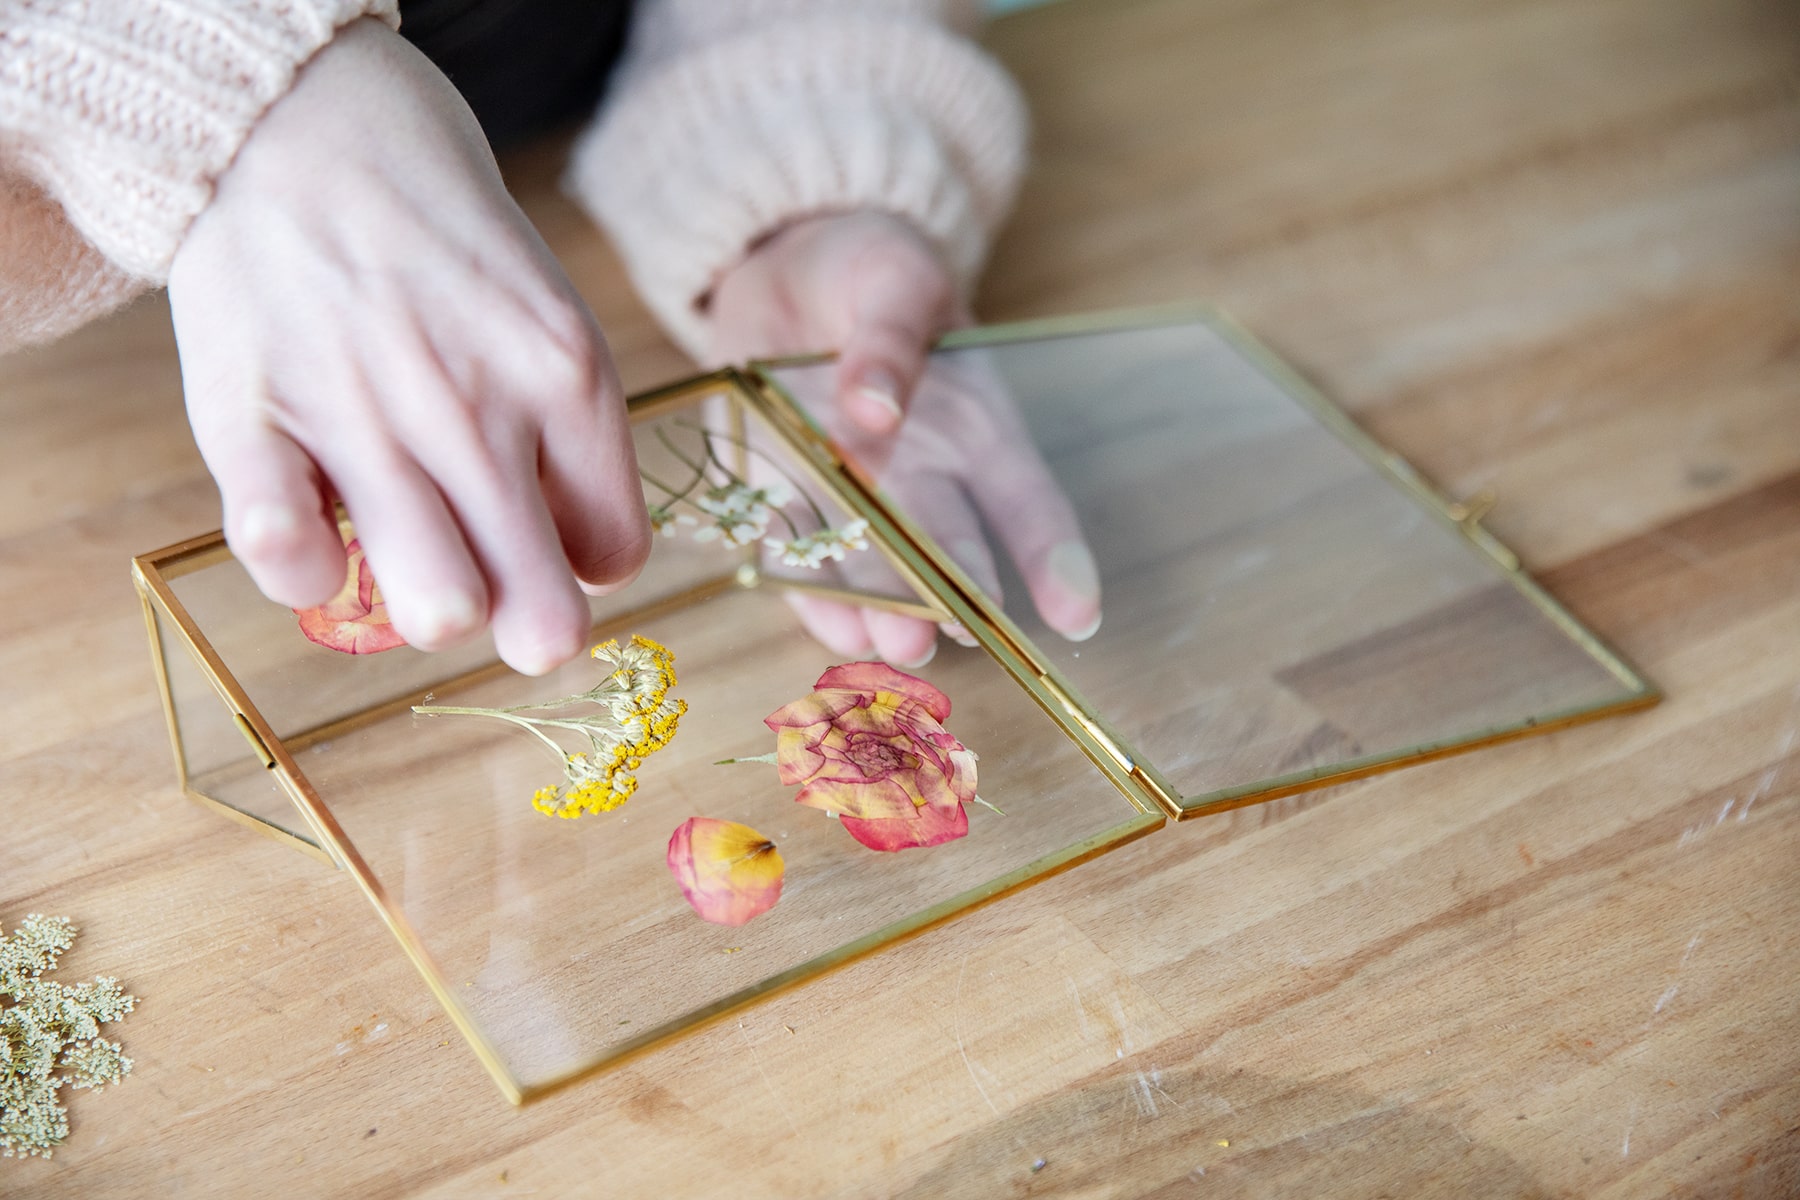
(1551, 249)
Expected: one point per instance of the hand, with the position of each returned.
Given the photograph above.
(364, 314)
(946, 444)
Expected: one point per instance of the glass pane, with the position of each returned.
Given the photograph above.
(567, 941)
(219, 763)
(1274, 605)
(300, 687)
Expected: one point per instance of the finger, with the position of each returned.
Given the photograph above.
(278, 521)
(1035, 522)
(434, 592)
(838, 627)
(587, 468)
(939, 506)
(901, 640)
(488, 476)
(854, 631)
(901, 301)
(942, 509)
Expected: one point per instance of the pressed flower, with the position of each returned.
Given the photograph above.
(729, 872)
(735, 513)
(869, 747)
(355, 621)
(734, 529)
(631, 717)
(740, 499)
(50, 1036)
(813, 549)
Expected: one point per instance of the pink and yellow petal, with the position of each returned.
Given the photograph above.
(820, 708)
(728, 872)
(355, 621)
(869, 799)
(869, 678)
(797, 755)
(931, 827)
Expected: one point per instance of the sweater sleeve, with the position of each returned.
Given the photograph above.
(115, 119)
(727, 121)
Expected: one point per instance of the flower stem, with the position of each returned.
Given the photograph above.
(699, 468)
(525, 723)
(706, 435)
(760, 758)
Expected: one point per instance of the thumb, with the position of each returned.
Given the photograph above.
(901, 299)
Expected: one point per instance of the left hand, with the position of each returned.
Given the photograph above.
(873, 287)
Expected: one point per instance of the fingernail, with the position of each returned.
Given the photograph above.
(880, 388)
(603, 589)
(930, 653)
(958, 634)
(1072, 566)
(1086, 632)
(447, 617)
(266, 526)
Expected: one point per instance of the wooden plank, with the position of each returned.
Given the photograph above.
(1541, 245)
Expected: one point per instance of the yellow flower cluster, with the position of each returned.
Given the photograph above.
(637, 697)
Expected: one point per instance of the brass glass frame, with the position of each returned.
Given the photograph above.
(275, 743)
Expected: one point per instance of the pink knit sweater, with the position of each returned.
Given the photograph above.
(726, 119)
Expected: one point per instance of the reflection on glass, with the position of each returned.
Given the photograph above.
(1274, 605)
(1171, 546)
(566, 942)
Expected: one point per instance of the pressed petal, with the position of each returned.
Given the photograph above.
(368, 593)
(818, 708)
(962, 778)
(362, 636)
(728, 872)
(932, 827)
(355, 621)
(874, 800)
(871, 677)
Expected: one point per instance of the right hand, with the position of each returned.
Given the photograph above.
(364, 314)
(942, 437)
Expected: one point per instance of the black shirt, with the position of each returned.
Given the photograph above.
(523, 65)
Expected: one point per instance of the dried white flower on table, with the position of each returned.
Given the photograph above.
(50, 1036)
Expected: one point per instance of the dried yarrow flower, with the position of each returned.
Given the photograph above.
(50, 1036)
(632, 717)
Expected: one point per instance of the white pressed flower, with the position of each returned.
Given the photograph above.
(740, 514)
(813, 549)
(733, 530)
(854, 534)
(726, 500)
(50, 1036)
(738, 499)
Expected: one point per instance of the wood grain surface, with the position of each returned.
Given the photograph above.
(1548, 248)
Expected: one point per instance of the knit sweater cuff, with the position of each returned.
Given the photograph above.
(126, 113)
(695, 161)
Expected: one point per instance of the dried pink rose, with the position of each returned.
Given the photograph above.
(870, 746)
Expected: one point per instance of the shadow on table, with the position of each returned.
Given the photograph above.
(1188, 1131)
